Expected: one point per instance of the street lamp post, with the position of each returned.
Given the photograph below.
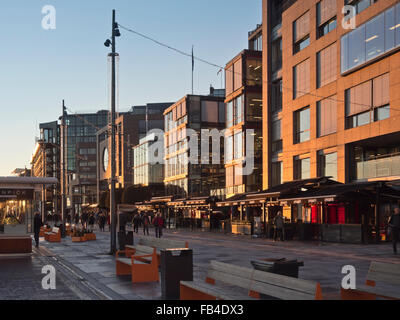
(63, 178)
(114, 33)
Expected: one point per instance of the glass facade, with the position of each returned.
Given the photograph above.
(371, 163)
(371, 40)
(82, 128)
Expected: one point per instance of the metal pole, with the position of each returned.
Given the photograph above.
(112, 189)
(63, 153)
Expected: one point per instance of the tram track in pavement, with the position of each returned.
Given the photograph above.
(81, 283)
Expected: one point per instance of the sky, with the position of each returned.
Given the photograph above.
(40, 68)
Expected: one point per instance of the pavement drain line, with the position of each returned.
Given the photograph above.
(96, 292)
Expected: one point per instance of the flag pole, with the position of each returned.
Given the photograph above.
(192, 68)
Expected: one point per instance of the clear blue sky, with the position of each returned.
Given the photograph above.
(41, 67)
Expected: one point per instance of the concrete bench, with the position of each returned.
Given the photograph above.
(158, 244)
(379, 272)
(142, 265)
(53, 236)
(253, 281)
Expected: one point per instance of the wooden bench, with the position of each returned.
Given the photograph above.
(43, 230)
(253, 281)
(53, 236)
(158, 244)
(142, 265)
(379, 272)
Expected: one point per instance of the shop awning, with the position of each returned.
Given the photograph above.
(348, 191)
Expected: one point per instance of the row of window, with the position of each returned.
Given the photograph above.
(364, 103)
(371, 40)
(326, 21)
(84, 151)
(236, 112)
(326, 167)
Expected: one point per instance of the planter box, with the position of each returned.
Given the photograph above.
(90, 237)
(78, 239)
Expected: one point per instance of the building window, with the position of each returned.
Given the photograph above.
(378, 162)
(327, 116)
(276, 136)
(301, 79)
(326, 17)
(327, 165)
(276, 96)
(253, 107)
(238, 74)
(301, 168)
(238, 145)
(361, 5)
(256, 43)
(301, 33)
(238, 110)
(327, 65)
(276, 53)
(209, 111)
(229, 149)
(368, 102)
(254, 72)
(371, 40)
(277, 173)
(302, 125)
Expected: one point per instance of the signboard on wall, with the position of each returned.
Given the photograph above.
(17, 194)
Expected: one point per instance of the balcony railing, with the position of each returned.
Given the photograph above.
(383, 166)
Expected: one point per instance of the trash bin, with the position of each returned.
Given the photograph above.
(122, 240)
(176, 266)
(289, 268)
(129, 238)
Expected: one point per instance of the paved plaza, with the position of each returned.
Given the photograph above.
(86, 271)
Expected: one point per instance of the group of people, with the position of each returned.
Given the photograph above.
(145, 221)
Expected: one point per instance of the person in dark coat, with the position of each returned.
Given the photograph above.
(136, 223)
(394, 224)
(158, 225)
(37, 224)
(279, 226)
(146, 223)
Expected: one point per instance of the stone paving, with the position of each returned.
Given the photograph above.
(90, 271)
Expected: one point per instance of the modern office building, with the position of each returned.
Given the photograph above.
(81, 169)
(131, 127)
(244, 112)
(334, 90)
(45, 163)
(199, 177)
(145, 172)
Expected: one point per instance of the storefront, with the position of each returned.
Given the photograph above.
(20, 197)
(347, 213)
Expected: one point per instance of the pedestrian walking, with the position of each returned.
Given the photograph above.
(394, 225)
(279, 225)
(76, 219)
(91, 222)
(158, 225)
(146, 223)
(136, 223)
(37, 224)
